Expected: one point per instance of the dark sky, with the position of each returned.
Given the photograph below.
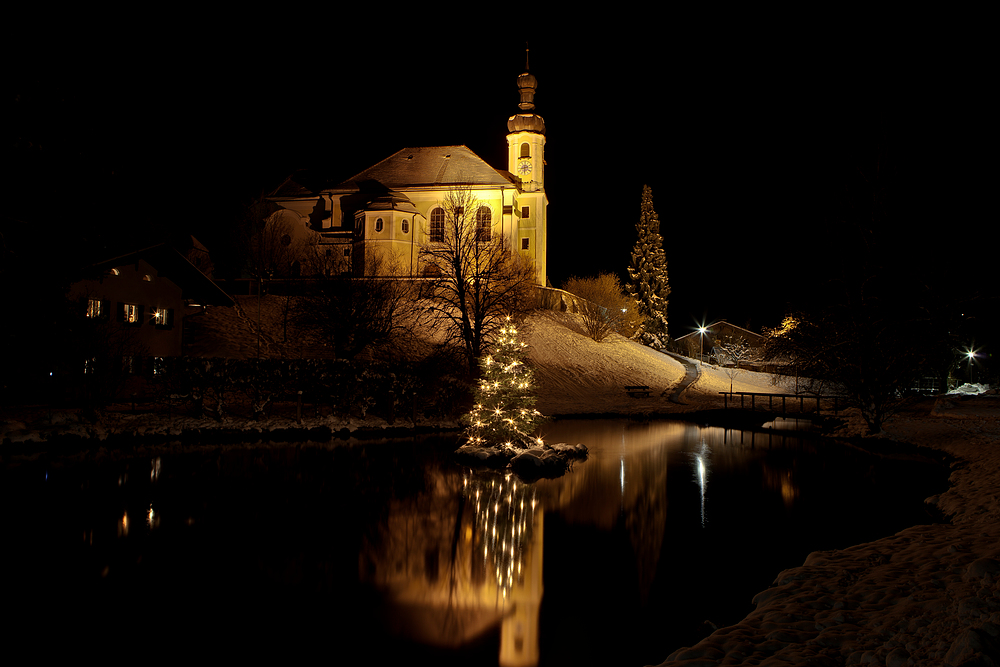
(752, 139)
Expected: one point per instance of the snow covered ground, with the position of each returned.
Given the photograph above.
(578, 376)
(929, 595)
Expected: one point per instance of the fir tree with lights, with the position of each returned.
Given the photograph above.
(504, 413)
(648, 275)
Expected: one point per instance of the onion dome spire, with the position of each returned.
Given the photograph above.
(526, 121)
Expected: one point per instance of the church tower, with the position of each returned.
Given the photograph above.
(526, 160)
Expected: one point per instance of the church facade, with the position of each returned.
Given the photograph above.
(397, 206)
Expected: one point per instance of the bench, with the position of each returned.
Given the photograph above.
(637, 390)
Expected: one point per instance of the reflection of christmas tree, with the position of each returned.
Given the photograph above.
(504, 524)
(504, 412)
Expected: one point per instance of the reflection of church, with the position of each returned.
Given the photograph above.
(456, 563)
(398, 205)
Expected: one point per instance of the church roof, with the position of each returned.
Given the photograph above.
(392, 201)
(425, 166)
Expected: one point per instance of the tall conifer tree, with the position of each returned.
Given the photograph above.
(648, 275)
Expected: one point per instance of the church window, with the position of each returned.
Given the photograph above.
(484, 219)
(524, 211)
(525, 150)
(524, 243)
(378, 225)
(437, 225)
(406, 226)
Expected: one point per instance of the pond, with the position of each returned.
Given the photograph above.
(391, 551)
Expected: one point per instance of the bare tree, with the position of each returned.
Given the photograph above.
(605, 308)
(731, 351)
(478, 279)
(355, 312)
(273, 247)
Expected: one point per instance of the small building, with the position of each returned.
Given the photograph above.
(692, 344)
(148, 292)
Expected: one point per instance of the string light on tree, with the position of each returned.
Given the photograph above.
(504, 412)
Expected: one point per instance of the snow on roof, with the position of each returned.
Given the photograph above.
(720, 324)
(427, 166)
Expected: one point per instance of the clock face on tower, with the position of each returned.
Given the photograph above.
(524, 167)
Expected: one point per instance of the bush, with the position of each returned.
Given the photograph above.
(604, 306)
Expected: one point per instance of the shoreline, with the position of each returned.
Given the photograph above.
(927, 595)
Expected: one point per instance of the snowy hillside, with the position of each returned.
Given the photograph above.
(577, 375)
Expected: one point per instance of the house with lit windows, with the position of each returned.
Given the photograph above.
(148, 292)
(397, 205)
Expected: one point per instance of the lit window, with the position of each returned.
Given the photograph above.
(437, 225)
(147, 278)
(378, 225)
(525, 150)
(161, 317)
(484, 218)
(115, 272)
(406, 226)
(94, 308)
(524, 244)
(131, 313)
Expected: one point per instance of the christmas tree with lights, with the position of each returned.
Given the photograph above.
(504, 413)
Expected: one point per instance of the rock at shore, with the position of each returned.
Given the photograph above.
(543, 461)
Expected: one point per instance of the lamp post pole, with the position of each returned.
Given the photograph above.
(701, 354)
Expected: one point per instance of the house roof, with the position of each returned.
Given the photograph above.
(171, 264)
(414, 167)
(716, 325)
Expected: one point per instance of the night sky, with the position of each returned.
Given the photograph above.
(753, 140)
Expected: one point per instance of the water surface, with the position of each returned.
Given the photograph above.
(390, 549)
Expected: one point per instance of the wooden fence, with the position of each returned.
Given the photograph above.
(802, 399)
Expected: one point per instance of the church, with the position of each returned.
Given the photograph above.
(397, 206)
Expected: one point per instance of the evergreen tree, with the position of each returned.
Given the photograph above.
(648, 275)
(504, 412)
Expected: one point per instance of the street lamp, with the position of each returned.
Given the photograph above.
(701, 354)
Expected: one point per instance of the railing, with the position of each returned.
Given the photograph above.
(802, 398)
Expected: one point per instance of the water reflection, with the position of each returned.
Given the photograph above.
(460, 560)
(701, 461)
(607, 565)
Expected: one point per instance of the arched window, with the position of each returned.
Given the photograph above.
(484, 218)
(406, 226)
(437, 225)
(525, 150)
(378, 225)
